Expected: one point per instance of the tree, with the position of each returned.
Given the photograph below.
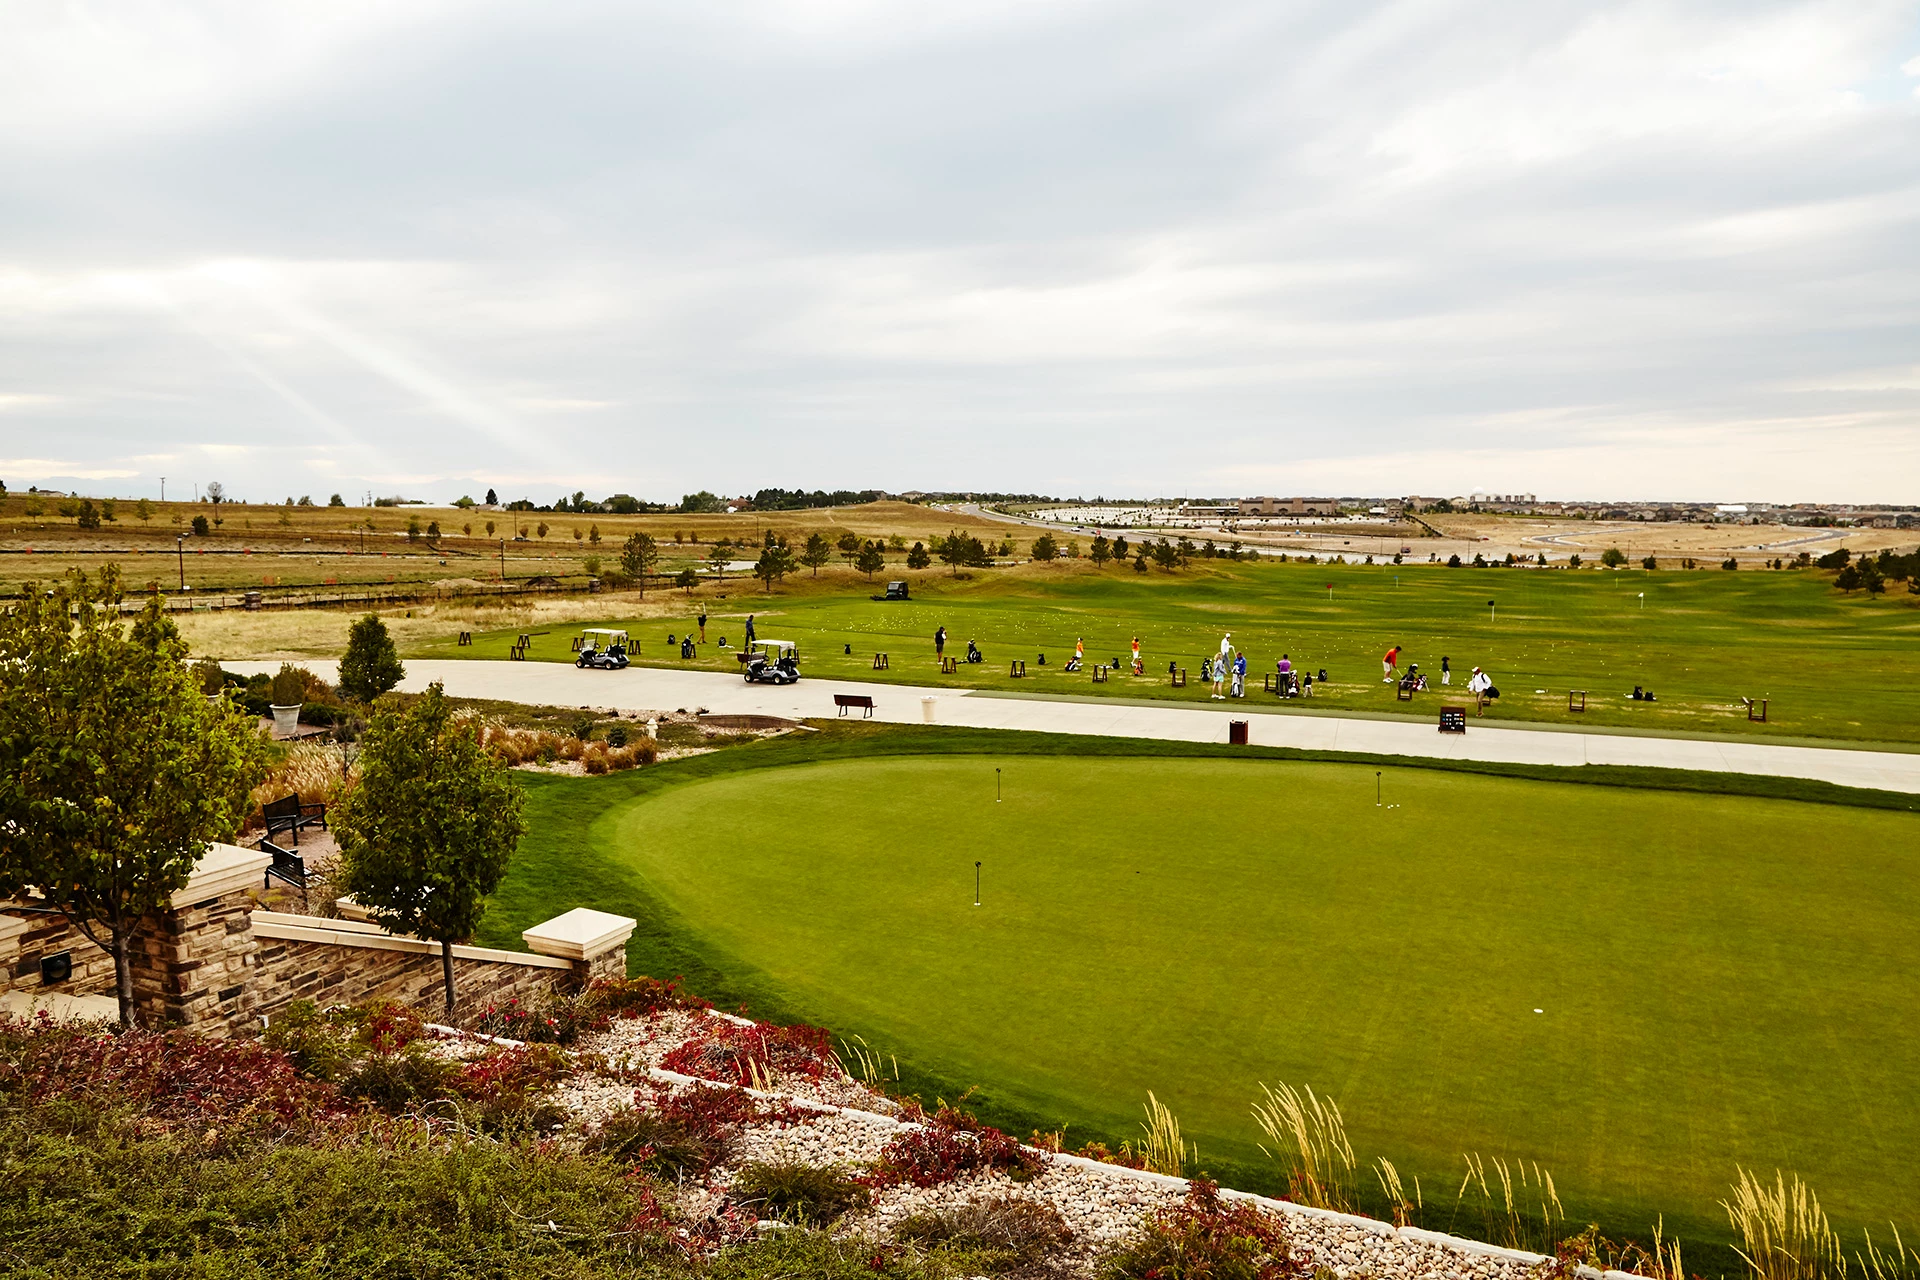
(702, 503)
(336, 501)
(427, 831)
(1119, 547)
(413, 528)
(957, 549)
(1848, 579)
(920, 558)
(1651, 562)
(1165, 554)
(1871, 577)
(493, 499)
(1453, 562)
(638, 558)
(849, 544)
(87, 517)
(872, 560)
(1613, 557)
(775, 563)
(371, 665)
(115, 770)
(1140, 558)
(687, 580)
(541, 529)
(1045, 548)
(1573, 561)
(144, 510)
(593, 534)
(1101, 551)
(216, 492)
(816, 553)
(433, 529)
(1730, 563)
(1833, 559)
(200, 529)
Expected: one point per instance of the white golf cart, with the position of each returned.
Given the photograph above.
(772, 662)
(602, 647)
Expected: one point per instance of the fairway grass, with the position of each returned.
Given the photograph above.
(1722, 980)
(1830, 666)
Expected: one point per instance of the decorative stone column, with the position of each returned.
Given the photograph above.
(192, 961)
(595, 941)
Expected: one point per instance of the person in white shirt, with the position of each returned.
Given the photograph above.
(1220, 665)
(1478, 686)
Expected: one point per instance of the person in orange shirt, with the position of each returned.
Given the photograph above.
(1389, 665)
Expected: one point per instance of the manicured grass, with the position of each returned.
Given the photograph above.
(1833, 666)
(1725, 980)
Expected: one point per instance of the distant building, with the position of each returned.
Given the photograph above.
(1288, 507)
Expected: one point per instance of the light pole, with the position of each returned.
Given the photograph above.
(1376, 788)
(996, 786)
(180, 549)
(976, 884)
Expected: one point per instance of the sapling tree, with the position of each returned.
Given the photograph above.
(775, 563)
(638, 558)
(1045, 548)
(1101, 551)
(428, 829)
(849, 544)
(371, 665)
(918, 558)
(872, 560)
(687, 580)
(115, 771)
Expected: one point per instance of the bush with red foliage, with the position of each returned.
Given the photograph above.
(637, 997)
(733, 1053)
(168, 1078)
(947, 1145)
(560, 1021)
(1207, 1238)
(657, 1231)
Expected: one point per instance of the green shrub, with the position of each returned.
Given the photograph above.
(1019, 1230)
(290, 686)
(798, 1193)
(1204, 1238)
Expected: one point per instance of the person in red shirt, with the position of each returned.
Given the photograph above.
(1389, 663)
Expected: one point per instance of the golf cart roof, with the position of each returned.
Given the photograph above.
(773, 644)
(601, 631)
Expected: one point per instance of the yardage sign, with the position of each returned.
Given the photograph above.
(1453, 719)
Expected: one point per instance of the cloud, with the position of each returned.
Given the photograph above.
(1654, 248)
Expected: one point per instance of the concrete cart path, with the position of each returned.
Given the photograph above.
(664, 689)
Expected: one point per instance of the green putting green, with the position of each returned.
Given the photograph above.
(1638, 989)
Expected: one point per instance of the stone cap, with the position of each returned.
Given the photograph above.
(225, 867)
(580, 934)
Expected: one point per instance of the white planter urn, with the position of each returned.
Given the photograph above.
(286, 721)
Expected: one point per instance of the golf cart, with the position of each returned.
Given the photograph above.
(772, 662)
(603, 648)
(895, 591)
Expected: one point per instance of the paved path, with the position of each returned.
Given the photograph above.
(664, 689)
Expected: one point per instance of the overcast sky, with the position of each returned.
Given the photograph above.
(1635, 250)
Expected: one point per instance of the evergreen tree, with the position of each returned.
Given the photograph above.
(371, 665)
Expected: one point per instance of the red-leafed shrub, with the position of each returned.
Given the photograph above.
(683, 1133)
(556, 1021)
(172, 1078)
(947, 1145)
(637, 997)
(657, 1231)
(1206, 1238)
(736, 1054)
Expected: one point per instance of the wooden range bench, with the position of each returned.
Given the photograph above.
(861, 700)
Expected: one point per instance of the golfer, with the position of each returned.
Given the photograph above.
(750, 630)
(1480, 685)
(1240, 675)
(1139, 668)
(703, 626)
(1389, 665)
(1446, 672)
(1079, 648)
(940, 642)
(1221, 665)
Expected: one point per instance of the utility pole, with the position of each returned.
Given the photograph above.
(163, 488)
(180, 549)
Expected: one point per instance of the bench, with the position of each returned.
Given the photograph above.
(1756, 710)
(861, 700)
(1403, 692)
(879, 662)
(1579, 706)
(286, 864)
(949, 666)
(288, 814)
(1453, 719)
(1178, 677)
(466, 638)
(1099, 674)
(1017, 669)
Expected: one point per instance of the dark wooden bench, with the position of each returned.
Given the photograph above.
(1579, 706)
(1017, 669)
(880, 662)
(288, 814)
(949, 666)
(1099, 674)
(466, 638)
(861, 700)
(1178, 677)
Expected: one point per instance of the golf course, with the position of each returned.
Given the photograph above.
(1640, 989)
(1830, 666)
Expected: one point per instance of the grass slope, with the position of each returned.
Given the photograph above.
(1833, 666)
(1724, 978)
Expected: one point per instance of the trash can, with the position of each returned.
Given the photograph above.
(926, 709)
(1237, 732)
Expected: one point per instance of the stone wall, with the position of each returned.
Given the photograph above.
(344, 962)
(214, 961)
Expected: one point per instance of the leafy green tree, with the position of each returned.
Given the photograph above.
(1730, 563)
(144, 510)
(427, 831)
(1848, 579)
(593, 533)
(702, 503)
(1165, 554)
(1573, 561)
(1651, 562)
(817, 552)
(687, 579)
(115, 770)
(1119, 546)
(920, 558)
(719, 557)
(872, 560)
(1613, 557)
(336, 501)
(638, 558)
(1101, 551)
(849, 545)
(85, 515)
(1140, 558)
(371, 665)
(1045, 548)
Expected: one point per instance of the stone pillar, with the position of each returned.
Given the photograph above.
(596, 942)
(192, 961)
